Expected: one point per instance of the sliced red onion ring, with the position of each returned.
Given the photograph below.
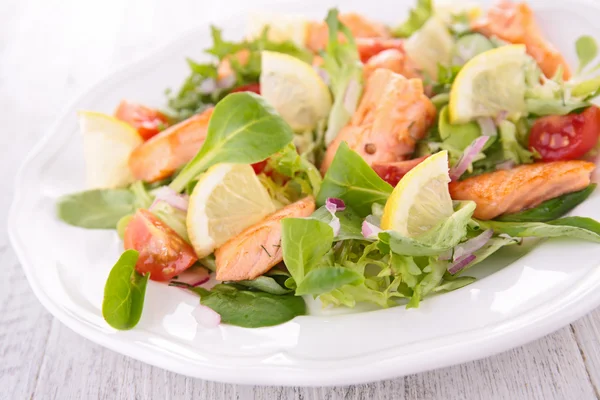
(487, 126)
(171, 197)
(467, 158)
(206, 316)
(323, 74)
(500, 117)
(472, 245)
(461, 263)
(509, 164)
(194, 276)
(369, 230)
(334, 204)
(352, 96)
(207, 86)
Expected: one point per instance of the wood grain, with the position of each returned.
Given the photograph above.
(50, 50)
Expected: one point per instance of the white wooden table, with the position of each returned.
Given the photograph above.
(52, 49)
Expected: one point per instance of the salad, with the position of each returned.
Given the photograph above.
(343, 160)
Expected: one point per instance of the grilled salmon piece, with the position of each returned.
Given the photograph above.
(318, 33)
(392, 115)
(526, 186)
(514, 23)
(258, 248)
(393, 59)
(163, 154)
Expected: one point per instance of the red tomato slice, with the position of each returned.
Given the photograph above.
(163, 252)
(259, 166)
(368, 47)
(392, 172)
(251, 87)
(147, 121)
(565, 137)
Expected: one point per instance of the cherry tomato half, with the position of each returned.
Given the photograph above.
(565, 137)
(163, 252)
(251, 87)
(392, 172)
(147, 121)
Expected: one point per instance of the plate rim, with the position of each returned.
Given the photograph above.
(585, 301)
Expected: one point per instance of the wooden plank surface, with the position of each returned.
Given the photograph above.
(49, 51)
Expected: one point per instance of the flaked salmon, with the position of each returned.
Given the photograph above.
(526, 186)
(515, 23)
(258, 248)
(393, 59)
(392, 115)
(361, 27)
(163, 154)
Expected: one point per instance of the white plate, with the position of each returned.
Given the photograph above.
(542, 290)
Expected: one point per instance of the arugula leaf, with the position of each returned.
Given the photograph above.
(550, 209)
(350, 223)
(243, 129)
(304, 243)
(96, 209)
(124, 293)
(575, 227)
(587, 50)
(342, 63)
(416, 19)
(251, 309)
(351, 179)
(437, 240)
(325, 279)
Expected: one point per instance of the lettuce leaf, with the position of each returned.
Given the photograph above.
(416, 19)
(573, 227)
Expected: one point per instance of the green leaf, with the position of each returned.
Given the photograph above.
(350, 222)
(304, 243)
(587, 88)
(458, 136)
(406, 268)
(430, 281)
(124, 293)
(341, 61)
(437, 240)
(325, 279)
(511, 148)
(251, 309)
(586, 49)
(243, 129)
(289, 163)
(143, 199)
(448, 286)
(96, 209)
(574, 227)
(416, 19)
(122, 225)
(351, 179)
(550, 209)
(266, 284)
(542, 107)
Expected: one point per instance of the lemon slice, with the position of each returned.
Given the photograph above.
(107, 144)
(281, 27)
(227, 199)
(489, 83)
(446, 9)
(295, 90)
(431, 45)
(421, 199)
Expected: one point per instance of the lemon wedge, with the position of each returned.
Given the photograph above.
(281, 27)
(421, 199)
(227, 199)
(431, 45)
(489, 83)
(107, 144)
(295, 90)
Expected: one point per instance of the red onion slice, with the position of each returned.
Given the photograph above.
(194, 276)
(487, 126)
(171, 197)
(206, 316)
(500, 117)
(472, 245)
(461, 263)
(207, 86)
(369, 230)
(351, 96)
(467, 158)
(334, 204)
